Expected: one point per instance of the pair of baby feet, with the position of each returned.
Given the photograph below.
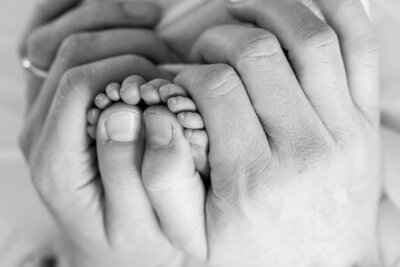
(137, 96)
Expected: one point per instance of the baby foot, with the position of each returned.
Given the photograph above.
(179, 103)
(165, 145)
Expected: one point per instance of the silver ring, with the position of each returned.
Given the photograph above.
(38, 72)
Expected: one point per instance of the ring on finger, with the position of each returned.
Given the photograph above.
(29, 66)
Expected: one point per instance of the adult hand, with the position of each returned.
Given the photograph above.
(109, 222)
(294, 142)
(81, 35)
(83, 58)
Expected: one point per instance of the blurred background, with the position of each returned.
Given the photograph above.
(26, 230)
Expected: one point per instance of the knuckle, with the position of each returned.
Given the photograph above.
(323, 38)
(309, 150)
(262, 46)
(219, 80)
(134, 59)
(367, 49)
(72, 79)
(72, 44)
(242, 171)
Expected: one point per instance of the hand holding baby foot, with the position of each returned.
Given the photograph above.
(170, 154)
(294, 143)
(287, 140)
(109, 218)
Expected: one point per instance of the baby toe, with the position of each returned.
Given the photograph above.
(102, 101)
(180, 103)
(129, 91)
(91, 131)
(191, 120)
(93, 116)
(199, 144)
(149, 91)
(112, 91)
(171, 90)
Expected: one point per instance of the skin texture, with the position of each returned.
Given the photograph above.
(134, 89)
(96, 234)
(294, 177)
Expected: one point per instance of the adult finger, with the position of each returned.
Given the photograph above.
(64, 131)
(313, 50)
(45, 41)
(44, 12)
(360, 52)
(221, 96)
(77, 50)
(275, 93)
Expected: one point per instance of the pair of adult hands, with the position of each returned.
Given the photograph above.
(294, 146)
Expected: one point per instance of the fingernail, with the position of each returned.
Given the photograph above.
(123, 127)
(158, 130)
(141, 10)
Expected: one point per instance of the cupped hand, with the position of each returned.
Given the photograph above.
(71, 34)
(85, 47)
(294, 142)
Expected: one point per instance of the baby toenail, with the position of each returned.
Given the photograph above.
(189, 132)
(123, 127)
(182, 116)
(158, 130)
(146, 87)
(173, 101)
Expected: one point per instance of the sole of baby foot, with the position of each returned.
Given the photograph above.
(174, 186)
(185, 110)
(120, 146)
(199, 144)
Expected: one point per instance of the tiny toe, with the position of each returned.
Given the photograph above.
(197, 137)
(129, 91)
(191, 120)
(199, 144)
(91, 131)
(180, 103)
(93, 115)
(102, 101)
(149, 91)
(170, 90)
(112, 91)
